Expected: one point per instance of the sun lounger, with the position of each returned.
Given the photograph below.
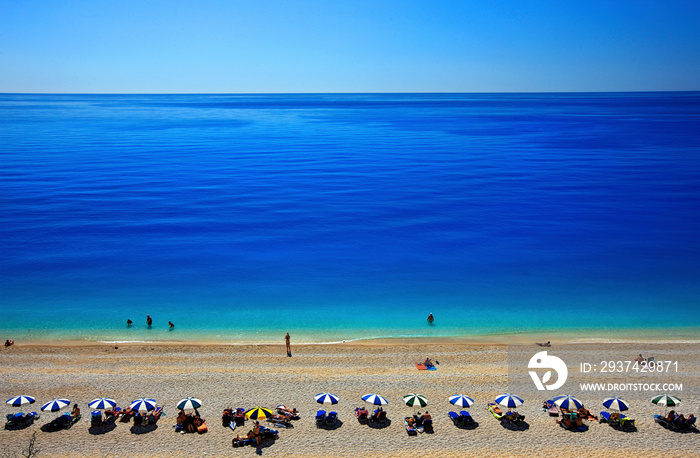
(242, 442)
(626, 422)
(428, 425)
(227, 417)
(607, 417)
(127, 415)
(512, 417)
(380, 417)
(410, 428)
(239, 416)
(617, 420)
(320, 418)
(331, 418)
(283, 410)
(495, 410)
(14, 420)
(95, 419)
(268, 433)
(20, 420)
(660, 419)
(551, 408)
(573, 424)
(361, 415)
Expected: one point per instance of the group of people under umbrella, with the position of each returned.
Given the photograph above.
(189, 420)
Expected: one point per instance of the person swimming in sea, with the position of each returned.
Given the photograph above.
(431, 318)
(129, 322)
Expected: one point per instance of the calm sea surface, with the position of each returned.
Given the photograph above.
(338, 217)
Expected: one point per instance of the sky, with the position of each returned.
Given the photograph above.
(297, 46)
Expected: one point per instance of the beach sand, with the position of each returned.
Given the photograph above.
(262, 375)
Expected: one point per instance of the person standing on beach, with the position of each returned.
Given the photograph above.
(149, 320)
(289, 347)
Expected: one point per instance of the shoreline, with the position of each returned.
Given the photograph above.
(494, 340)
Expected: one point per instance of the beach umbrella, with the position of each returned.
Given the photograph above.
(616, 403)
(375, 399)
(461, 400)
(189, 403)
(102, 403)
(666, 400)
(568, 402)
(143, 405)
(18, 401)
(55, 405)
(326, 398)
(258, 413)
(412, 400)
(509, 400)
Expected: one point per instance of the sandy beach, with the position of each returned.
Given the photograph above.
(262, 375)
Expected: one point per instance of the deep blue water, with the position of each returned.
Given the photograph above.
(334, 217)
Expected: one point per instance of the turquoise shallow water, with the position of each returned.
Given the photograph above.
(342, 217)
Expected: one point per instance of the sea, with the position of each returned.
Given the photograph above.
(345, 217)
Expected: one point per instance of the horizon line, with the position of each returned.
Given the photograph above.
(349, 93)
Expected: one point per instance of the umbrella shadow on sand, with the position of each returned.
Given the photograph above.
(328, 427)
(268, 442)
(519, 426)
(472, 425)
(141, 429)
(105, 428)
(379, 425)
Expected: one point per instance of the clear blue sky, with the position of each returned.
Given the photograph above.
(233, 46)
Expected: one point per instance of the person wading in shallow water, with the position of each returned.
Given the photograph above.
(289, 347)
(431, 318)
(149, 320)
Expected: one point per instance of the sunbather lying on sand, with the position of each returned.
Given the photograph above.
(284, 419)
(586, 414)
(497, 410)
(287, 411)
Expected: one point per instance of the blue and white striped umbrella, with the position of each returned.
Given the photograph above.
(326, 398)
(55, 405)
(20, 401)
(375, 399)
(509, 400)
(143, 405)
(189, 403)
(568, 402)
(461, 400)
(102, 403)
(616, 403)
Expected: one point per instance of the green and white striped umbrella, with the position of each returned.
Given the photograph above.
(666, 400)
(413, 400)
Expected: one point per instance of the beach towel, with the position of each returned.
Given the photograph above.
(421, 367)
